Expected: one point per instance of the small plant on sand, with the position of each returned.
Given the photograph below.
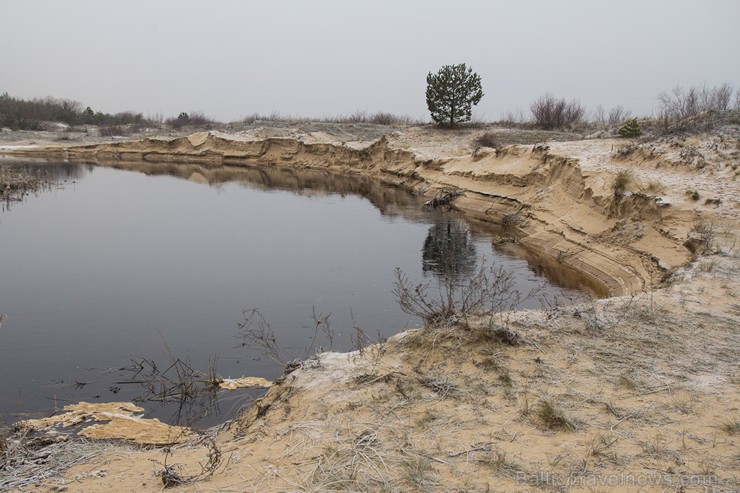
(497, 462)
(619, 185)
(113, 131)
(702, 237)
(630, 129)
(487, 139)
(419, 473)
(731, 426)
(655, 186)
(553, 418)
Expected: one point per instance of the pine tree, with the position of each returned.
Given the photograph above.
(452, 92)
(630, 129)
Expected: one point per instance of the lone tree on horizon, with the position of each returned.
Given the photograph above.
(452, 92)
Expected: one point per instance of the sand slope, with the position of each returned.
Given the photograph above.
(637, 392)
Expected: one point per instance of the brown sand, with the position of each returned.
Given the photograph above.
(637, 392)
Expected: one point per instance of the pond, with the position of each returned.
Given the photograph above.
(116, 272)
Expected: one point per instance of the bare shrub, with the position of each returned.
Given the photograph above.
(113, 130)
(488, 291)
(720, 97)
(256, 333)
(618, 115)
(511, 220)
(321, 324)
(615, 116)
(550, 113)
(599, 115)
(487, 139)
(177, 382)
(514, 118)
(382, 118)
(680, 108)
(257, 117)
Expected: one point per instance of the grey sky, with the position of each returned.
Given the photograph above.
(318, 58)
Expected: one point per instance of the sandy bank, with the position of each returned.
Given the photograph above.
(600, 396)
(555, 202)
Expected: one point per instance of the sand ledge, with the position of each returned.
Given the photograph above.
(561, 212)
(640, 386)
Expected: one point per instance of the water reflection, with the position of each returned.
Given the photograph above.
(449, 250)
(307, 182)
(18, 180)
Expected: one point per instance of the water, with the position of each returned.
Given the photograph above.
(116, 266)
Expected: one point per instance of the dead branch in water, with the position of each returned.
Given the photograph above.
(443, 197)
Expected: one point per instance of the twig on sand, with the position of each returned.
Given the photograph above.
(486, 447)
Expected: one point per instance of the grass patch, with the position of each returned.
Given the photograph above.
(731, 426)
(553, 418)
(496, 461)
(655, 186)
(621, 180)
(113, 131)
(487, 139)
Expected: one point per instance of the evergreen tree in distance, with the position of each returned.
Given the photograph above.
(452, 92)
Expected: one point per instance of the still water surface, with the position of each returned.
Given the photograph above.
(116, 266)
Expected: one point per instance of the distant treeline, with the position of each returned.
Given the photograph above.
(22, 114)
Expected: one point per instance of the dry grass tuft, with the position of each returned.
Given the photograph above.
(621, 180)
(27, 460)
(487, 139)
(731, 426)
(554, 418)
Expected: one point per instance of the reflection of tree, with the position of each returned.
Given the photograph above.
(449, 250)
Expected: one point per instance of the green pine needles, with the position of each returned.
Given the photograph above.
(452, 92)
(630, 129)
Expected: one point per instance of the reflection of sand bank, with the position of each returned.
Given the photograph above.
(562, 199)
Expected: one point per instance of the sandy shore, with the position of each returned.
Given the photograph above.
(641, 386)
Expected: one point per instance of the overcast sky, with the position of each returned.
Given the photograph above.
(327, 57)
